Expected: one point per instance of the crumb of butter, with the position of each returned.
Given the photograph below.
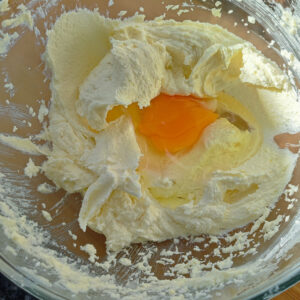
(91, 251)
(31, 170)
(47, 215)
(46, 188)
(122, 13)
(43, 112)
(72, 235)
(125, 261)
(251, 20)
(216, 12)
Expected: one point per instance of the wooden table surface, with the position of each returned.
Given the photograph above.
(292, 293)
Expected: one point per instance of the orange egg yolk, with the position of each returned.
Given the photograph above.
(171, 123)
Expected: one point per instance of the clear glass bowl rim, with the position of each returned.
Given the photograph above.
(264, 291)
(267, 290)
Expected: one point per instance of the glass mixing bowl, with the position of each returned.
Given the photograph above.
(42, 256)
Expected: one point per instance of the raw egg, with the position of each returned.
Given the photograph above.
(170, 123)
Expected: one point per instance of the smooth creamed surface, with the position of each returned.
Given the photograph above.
(136, 186)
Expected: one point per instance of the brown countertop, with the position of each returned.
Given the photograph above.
(292, 293)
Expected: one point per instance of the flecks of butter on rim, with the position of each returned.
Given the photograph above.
(77, 280)
(289, 20)
(291, 59)
(24, 17)
(28, 236)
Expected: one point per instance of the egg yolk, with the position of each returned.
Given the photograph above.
(171, 123)
(174, 123)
